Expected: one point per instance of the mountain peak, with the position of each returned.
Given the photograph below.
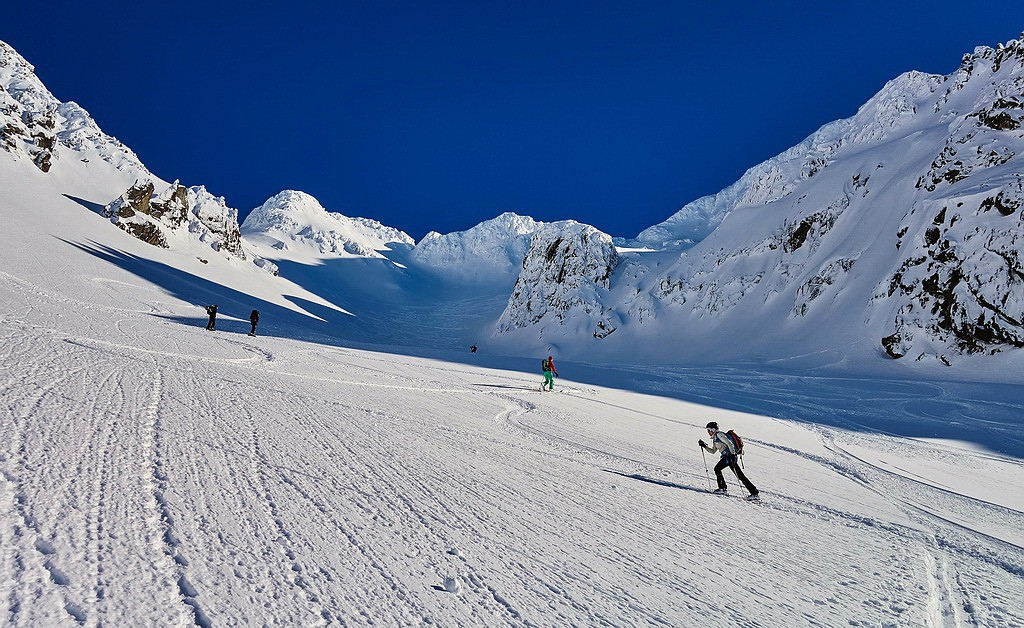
(296, 221)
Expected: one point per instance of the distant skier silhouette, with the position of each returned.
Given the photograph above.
(212, 311)
(254, 318)
(472, 349)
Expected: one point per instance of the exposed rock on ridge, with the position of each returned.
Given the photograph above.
(564, 281)
(34, 124)
(152, 217)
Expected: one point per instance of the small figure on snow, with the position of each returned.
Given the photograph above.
(548, 366)
(254, 318)
(721, 441)
(212, 311)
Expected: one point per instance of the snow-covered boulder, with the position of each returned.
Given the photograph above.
(296, 222)
(564, 282)
(491, 251)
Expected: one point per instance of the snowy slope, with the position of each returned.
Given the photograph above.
(893, 234)
(155, 473)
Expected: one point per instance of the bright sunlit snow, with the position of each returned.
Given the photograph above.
(354, 464)
(157, 473)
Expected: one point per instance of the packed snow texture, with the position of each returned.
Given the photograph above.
(155, 473)
(354, 464)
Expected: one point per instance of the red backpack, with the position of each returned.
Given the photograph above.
(737, 442)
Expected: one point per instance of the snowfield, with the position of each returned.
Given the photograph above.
(155, 473)
(353, 464)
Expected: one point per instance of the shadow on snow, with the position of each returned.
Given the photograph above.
(387, 317)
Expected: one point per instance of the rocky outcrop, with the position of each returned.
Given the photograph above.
(155, 217)
(37, 126)
(959, 284)
(26, 131)
(961, 281)
(564, 282)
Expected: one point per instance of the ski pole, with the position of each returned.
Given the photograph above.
(707, 473)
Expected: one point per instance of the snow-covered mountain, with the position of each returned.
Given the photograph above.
(82, 162)
(491, 251)
(902, 222)
(895, 230)
(295, 225)
(779, 176)
(35, 125)
(891, 234)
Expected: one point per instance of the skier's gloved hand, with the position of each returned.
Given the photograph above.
(702, 443)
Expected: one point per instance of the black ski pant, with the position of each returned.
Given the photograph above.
(730, 461)
(212, 323)
(253, 332)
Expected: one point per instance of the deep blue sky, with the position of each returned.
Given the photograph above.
(438, 115)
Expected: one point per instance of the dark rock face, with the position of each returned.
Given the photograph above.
(964, 279)
(28, 131)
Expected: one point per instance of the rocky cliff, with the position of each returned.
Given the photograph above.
(564, 282)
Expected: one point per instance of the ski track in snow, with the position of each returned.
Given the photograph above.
(163, 475)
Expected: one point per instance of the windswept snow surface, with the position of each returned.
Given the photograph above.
(154, 473)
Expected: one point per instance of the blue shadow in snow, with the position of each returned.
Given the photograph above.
(643, 478)
(988, 415)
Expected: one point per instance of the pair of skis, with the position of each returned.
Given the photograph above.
(756, 497)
